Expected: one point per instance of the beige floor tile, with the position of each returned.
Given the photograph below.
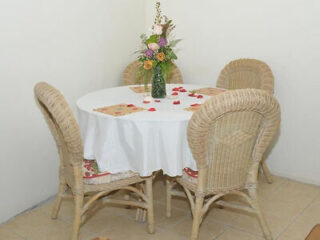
(66, 210)
(120, 228)
(237, 235)
(208, 229)
(37, 226)
(249, 223)
(266, 189)
(105, 219)
(300, 228)
(293, 192)
(169, 235)
(7, 234)
(161, 220)
(181, 203)
(144, 236)
(225, 215)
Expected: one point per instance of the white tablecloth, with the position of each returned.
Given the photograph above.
(143, 142)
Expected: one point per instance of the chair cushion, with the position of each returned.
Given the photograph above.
(92, 175)
(190, 175)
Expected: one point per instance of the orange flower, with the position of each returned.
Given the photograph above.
(148, 64)
(161, 56)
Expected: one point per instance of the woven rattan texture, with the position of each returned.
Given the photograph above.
(67, 135)
(246, 73)
(229, 134)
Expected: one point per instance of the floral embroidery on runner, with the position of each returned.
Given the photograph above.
(140, 89)
(119, 109)
(210, 91)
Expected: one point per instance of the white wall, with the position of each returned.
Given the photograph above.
(286, 35)
(75, 45)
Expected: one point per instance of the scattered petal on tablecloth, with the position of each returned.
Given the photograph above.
(119, 109)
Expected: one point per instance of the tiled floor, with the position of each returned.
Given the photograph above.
(291, 208)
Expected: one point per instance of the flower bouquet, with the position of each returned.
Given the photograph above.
(157, 55)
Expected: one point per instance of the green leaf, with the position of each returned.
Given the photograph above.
(174, 43)
(153, 39)
(143, 37)
(170, 54)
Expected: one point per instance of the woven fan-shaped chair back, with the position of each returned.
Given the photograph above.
(229, 134)
(130, 73)
(62, 124)
(246, 73)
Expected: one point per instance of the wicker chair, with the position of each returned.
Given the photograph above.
(66, 133)
(248, 73)
(129, 74)
(228, 136)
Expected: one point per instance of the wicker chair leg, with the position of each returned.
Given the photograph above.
(149, 193)
(78, 203)
(168, 193)
(265, 228)
(56, 207)
(266, 171)
(197, 218)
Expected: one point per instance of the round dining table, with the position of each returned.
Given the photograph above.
(125, 129)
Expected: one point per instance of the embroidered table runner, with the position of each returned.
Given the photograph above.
(119, 109)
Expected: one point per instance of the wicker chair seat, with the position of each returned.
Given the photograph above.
(92, 175)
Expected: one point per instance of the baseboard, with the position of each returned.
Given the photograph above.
(296, 178)
(29, 209)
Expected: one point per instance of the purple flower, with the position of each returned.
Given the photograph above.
(149, 53)
(162, 42)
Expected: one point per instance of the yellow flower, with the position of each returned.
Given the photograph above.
(161, 56)
(148, 64)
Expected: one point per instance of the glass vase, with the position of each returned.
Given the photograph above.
(158, 84)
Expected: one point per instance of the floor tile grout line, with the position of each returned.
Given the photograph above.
(295, 218)
(239, 228)
(219, 235)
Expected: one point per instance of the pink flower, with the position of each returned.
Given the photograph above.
(157, 29)
(153, 46)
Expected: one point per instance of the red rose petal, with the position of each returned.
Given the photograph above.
(175, 93)
(180, 87)
(130, 105)
(195, 104)
(146, 102)
(152, 110)
(176, 89)
(192, 95)
(182, 90)
(199, 96)
(176, 102)
(157, 100)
